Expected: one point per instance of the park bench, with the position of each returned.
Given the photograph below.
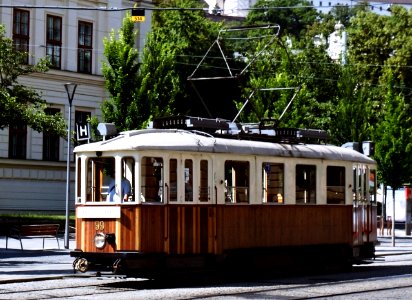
(33, 231)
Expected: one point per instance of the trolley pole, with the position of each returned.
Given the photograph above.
(70, 90)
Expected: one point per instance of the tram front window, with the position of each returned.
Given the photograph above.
(102, 184)
(99, 170)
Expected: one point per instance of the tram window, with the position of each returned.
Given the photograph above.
(78, 180)
(188, 180)
(172, 193)
(359, 183)
(272, 180)
(355, 185)
(363, 183)
(335, 185)
(236, 181)
(204, 182)
(306, 184)
(128, 174)
(372, 185)
(152, 179)
(98, 178)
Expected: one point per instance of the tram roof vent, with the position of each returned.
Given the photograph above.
(190, 123)
(263, 131)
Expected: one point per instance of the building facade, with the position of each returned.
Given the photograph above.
(70, 33)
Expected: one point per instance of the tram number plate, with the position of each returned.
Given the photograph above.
(99, 225)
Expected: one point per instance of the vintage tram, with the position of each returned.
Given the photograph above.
(211, 193)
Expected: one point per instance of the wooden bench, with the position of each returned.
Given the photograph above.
(33, 231)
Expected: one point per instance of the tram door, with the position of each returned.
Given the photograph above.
(189, 219)
(363, 197)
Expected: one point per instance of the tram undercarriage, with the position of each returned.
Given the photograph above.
(285, 259)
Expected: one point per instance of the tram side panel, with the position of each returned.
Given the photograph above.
(286, 225)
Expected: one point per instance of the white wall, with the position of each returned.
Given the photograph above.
(33, 184)
(400, 203)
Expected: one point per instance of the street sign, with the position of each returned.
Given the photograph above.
(83, 131)
(138, 15)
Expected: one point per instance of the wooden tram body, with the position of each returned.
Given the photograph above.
(201, 200)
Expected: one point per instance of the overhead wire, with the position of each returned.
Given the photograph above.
(154, 8)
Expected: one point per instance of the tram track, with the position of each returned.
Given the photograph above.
(306, 287)
(65, 288)
(385, 276)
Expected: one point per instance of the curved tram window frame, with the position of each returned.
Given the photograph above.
(104, 185)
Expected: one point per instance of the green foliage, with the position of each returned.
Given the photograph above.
(172, 51)
(158, 86)
(121, 72)
(394, 136)
(20, 104)
(355, 111)
(380, 52)
(293, 20)
(369, 45)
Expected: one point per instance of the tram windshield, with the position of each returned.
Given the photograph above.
(104, 184)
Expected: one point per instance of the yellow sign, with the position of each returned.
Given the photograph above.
(138, 15)
(138, 18)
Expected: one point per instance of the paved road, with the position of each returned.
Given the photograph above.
(34, 262)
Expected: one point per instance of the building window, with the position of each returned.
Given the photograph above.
(335, 185)
(306, 184)
(21, 35)
(17, 141)
(51, 142)
(84, 56)
(272, 180)
(54, 40)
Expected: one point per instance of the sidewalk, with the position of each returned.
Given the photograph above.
(34, 262)
(403, 244)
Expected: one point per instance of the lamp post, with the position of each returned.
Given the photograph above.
(70, 90)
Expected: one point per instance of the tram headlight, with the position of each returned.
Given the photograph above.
(100, 240)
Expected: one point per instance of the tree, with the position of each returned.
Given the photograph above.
(293, 16)
(369, 45)
(393, 150)
(171, 54)
(158, 85)
(357, 109)
(121, 72)
(19, 104)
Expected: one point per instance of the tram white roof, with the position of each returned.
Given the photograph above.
(184, 140)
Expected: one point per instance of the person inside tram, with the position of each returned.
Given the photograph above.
(125, 189)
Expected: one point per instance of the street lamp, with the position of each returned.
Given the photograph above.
(70, 90)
